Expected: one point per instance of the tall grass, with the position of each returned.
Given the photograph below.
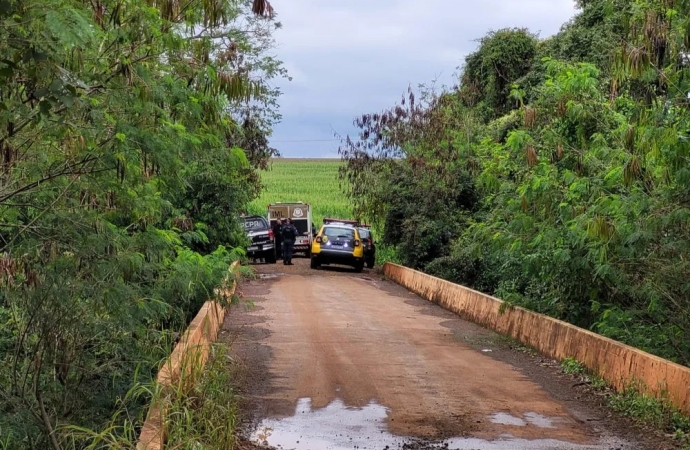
(201, 410)
(204, 415)
(632, 401)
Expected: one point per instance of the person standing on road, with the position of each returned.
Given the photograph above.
(278, 238)
(289, 235)
(281, 248)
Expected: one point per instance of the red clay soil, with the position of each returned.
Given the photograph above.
(335, 336)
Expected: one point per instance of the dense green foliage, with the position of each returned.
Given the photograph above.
(558, 181)
(130, 137)
(506, 56)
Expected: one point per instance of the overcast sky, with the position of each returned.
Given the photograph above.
(351, 57)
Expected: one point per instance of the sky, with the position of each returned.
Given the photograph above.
(351, 57)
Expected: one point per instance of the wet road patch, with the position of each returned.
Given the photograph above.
(339, 427)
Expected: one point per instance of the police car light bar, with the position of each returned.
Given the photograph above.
(342, 221)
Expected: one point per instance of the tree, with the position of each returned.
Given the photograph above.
(570, 164)
(112, 116)
(409, 172)
(503, 57)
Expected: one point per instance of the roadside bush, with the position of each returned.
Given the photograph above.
(458, 269)
(499, 128)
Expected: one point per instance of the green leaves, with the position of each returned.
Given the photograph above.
(122, 172)
(579, 181)
(503, 57)
(69, 27)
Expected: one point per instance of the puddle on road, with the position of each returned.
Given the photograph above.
(339, 427)
(333, 427)
(268, 276)
(507, 419)
(535, 419)
(539, 420)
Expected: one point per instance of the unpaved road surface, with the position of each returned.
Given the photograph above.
(338, 360)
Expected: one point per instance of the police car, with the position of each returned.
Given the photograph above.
(261, 239)
(338, 242)
(369, 245)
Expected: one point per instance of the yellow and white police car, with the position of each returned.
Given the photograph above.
(337, 243)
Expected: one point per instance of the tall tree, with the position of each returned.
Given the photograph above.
(576, 163)
(112, 113)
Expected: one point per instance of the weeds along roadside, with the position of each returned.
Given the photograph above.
(199, 406)
(202, 409)
(632, 402)
(204, 414)
(203, 406)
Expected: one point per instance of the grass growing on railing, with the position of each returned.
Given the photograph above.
(201, 409)
(203, 415)
(122, 432)
(650, 410)
(199, 406)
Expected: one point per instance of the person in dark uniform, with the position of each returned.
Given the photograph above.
(289, 235)
(283, 223)
(278, 236)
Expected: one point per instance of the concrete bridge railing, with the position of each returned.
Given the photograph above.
(185, 362)
(616, 363)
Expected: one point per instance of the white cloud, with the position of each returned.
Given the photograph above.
(356, 56)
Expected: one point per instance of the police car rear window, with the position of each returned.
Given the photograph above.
(333, 232)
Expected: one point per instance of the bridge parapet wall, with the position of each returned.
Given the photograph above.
(616, 363)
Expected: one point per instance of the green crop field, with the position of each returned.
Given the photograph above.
(313, 181)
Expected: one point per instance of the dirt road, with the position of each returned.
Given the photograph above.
(338, 360)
